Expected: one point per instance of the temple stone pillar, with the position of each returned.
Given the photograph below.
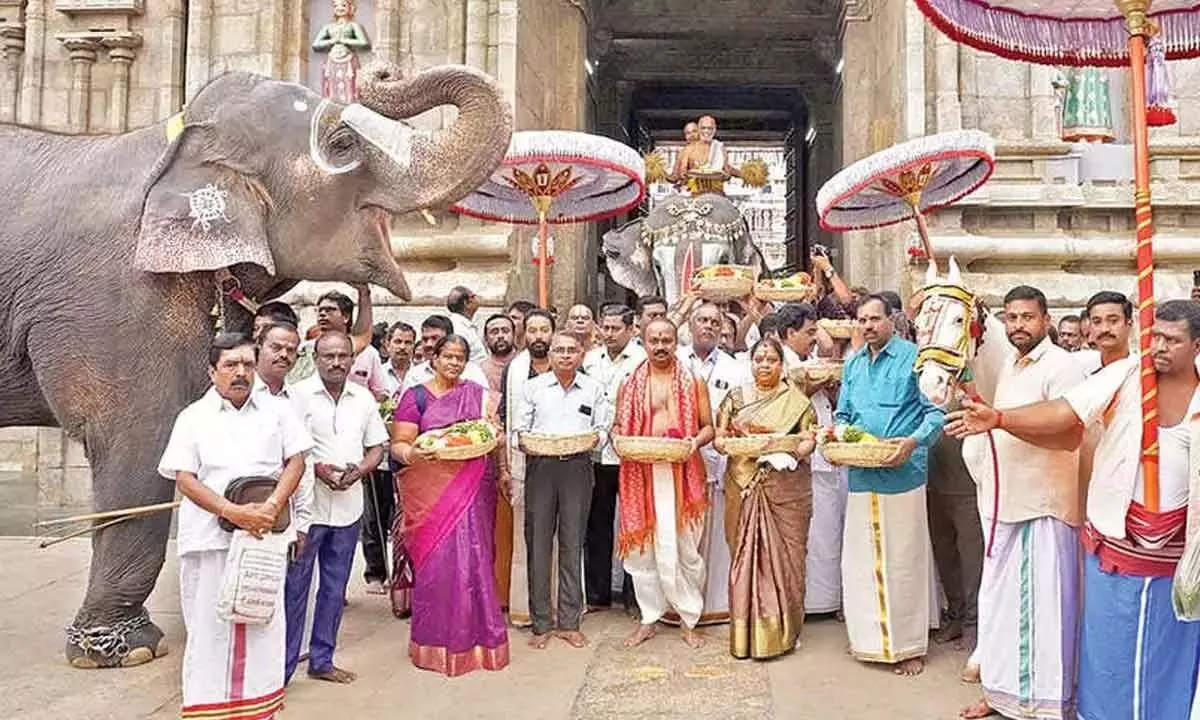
(34, 70)
(947, 107)
(1043, 105)
(82, 52)
(12, 47)
(121, 51)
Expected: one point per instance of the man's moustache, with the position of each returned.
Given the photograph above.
(240, 383)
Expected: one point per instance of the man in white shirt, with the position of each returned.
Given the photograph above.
(229, 433)
(335, 312)
(531, 362)
(1030, 573)
(558, 490)
(401, 340)
(277, 344)
(433, 329)
(1135, 658)
(721, 373)
(608, 365)
(463, 304)
(349, 436)
(797, 330)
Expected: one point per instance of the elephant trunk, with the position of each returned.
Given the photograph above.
(458, 161)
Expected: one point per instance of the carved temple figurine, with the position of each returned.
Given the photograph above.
(342, 39)
(1086, 105)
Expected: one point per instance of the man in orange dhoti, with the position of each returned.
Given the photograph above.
(662, 504)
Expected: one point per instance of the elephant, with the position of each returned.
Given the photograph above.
(118, 246)
(647, 255)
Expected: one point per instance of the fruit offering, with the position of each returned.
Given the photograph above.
(470, 432)
(845, 434)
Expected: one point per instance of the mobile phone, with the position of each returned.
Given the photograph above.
(1196, 278)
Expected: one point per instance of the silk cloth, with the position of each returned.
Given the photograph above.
(767, 584)
(231, 671)
(667, 571)
(1029, 605)
(886, 558)
(638, 508)
(449, 531)
(517, 600)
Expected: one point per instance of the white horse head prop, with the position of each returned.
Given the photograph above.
(949, 326)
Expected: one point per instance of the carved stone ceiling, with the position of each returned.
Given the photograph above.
(790, 43)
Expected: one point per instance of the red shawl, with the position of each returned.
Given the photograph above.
(637, 486)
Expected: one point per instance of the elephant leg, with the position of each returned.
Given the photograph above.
(112, 627)
(124, 414)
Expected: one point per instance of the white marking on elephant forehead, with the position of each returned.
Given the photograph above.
(207, 205)
(300, 106)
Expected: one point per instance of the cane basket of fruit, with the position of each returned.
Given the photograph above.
(849, 445)
(461, 441)
(723, 282)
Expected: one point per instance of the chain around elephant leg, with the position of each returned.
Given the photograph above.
(133, 641)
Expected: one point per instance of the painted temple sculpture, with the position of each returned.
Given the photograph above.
(341, 39)
(1086, 105)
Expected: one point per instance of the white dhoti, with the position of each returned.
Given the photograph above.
(668, 574)
(1029, 619)
(823, 569)
(230, 670)
(717, 560)
(886, 575)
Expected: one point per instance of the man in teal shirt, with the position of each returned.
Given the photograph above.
(886, 551)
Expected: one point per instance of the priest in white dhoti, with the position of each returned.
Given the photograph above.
(230, 669)
(705, 156)
(662, 504)
(534, 360)
(720, 372)
(1030, 596)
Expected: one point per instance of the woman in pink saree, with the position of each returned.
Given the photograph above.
(449, 521)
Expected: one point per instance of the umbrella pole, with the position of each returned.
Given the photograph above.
(914, 203)
(543, 263)
(1135, 16)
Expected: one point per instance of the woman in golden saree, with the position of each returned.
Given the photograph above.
(766, 583)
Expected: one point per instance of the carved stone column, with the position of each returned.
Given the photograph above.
(947, 107)
(33, 72)
(968, 81)
(1043, 106)
(12, 47)
(121, 50)
(82, 51)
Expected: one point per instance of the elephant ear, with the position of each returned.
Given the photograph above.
(200, 213)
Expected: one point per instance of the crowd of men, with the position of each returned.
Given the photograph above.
(1020, 528)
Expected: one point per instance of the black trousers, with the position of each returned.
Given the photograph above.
(598, 546)
(557, 495)
(379, 502)
(958, 550)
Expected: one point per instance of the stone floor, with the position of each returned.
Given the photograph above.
(663, 680)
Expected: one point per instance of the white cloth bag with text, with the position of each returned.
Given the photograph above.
(255, 571)
(1185, 591)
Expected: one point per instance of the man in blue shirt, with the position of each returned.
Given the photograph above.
(885, 553)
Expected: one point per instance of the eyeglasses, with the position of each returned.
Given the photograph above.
(564, 350)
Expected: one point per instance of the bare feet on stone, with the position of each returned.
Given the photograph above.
(952, 630)
(910, 667)
(640, 635)
(692, 638)
(977, 710)
(574, 638)
(334, 675)
(970, 674)
(539, 642)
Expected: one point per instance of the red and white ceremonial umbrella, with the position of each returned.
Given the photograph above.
(1102, 33)
(558, 177)
(907, 181)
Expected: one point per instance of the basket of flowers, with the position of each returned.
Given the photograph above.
(723, 282)
(461, 441)
(797, 287)
(558, 444)
(850, 445)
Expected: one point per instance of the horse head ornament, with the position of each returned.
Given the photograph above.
(949, 327)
